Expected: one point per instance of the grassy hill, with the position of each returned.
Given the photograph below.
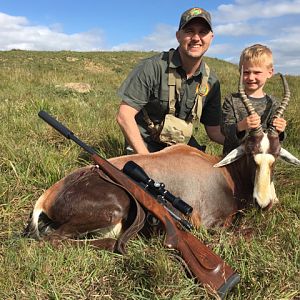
(80, 89)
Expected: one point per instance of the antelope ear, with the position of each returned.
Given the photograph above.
(232, 156)
(288, 157)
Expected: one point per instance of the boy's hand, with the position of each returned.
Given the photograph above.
(250, 122)
(279, 124)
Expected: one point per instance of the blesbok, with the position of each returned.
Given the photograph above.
(85, 201)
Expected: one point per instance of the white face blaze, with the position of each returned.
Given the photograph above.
(264, 191)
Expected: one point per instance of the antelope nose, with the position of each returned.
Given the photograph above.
(269, 206)
(263, 206)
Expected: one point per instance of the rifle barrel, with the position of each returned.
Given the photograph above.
(64, 131)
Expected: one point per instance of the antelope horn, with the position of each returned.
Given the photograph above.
(249, 107)
(282, 107)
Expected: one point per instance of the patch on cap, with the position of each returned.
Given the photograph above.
(194, 12)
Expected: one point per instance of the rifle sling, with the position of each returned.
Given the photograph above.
(136, 209)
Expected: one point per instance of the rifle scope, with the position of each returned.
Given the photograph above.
(136, 172)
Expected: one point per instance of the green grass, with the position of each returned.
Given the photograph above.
(262, 246)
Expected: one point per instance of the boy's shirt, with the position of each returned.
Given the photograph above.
(234, 111)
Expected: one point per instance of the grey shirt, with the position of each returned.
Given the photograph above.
(234, 111)
(147, 86)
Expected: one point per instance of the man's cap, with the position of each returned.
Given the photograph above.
(193, 13)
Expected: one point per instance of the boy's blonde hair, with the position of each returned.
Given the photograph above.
(258, 55)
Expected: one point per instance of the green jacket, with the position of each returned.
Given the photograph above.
(147, 86)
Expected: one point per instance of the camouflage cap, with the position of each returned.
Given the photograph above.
(192, 13)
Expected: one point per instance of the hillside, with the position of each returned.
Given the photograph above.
(80, 89)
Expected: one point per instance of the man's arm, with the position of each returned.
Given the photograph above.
(214, 133)
(128, 125)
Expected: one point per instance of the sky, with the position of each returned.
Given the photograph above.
(120, 25)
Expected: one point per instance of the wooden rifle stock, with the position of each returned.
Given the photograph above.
(205, 265)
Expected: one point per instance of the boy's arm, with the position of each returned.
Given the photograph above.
(214, 133)
(229, 124)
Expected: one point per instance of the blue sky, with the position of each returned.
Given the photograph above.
(118, 25)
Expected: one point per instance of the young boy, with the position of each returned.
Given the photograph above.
(257, 62)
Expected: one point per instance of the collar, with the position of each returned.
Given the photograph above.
(176, 63)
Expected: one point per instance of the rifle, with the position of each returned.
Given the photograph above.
(157, 190)
(206, 266)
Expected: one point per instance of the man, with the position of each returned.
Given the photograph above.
(166, 95)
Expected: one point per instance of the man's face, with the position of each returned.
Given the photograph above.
(194, 39)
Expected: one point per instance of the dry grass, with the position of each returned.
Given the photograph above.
(262, 246)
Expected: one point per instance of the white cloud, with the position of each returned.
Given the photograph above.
(239, 29)
(245, 10)
(17, 33)
(11, 22)
(219, 49)
(273, 23)
(286, 49)
(161, 39)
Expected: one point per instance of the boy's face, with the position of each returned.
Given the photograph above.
(255, 76)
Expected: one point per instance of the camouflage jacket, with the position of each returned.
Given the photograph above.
(234, 110)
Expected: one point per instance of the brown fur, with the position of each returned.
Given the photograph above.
(82, 202)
